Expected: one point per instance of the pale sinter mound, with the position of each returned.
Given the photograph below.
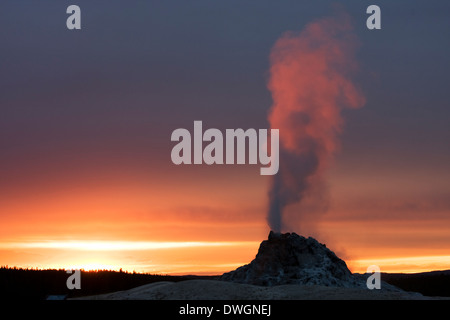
(292, 259)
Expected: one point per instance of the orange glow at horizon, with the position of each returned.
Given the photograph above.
(413, 264)
(208, 258)
(200, 257)
(125, 220)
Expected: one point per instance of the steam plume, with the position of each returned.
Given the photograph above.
(310, 85)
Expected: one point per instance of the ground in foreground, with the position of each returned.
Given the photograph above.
(222, 290)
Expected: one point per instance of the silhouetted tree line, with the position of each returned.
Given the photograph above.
(30, 283)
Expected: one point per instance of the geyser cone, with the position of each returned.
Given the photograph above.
(287, 258)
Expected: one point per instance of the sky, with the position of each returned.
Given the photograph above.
(86, 177)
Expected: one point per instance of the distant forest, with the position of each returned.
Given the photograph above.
(20, 283)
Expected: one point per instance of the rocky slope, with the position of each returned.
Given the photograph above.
(292, 259)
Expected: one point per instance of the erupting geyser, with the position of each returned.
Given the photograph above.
(310, 85)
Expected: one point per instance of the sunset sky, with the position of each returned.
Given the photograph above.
(86, 177)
